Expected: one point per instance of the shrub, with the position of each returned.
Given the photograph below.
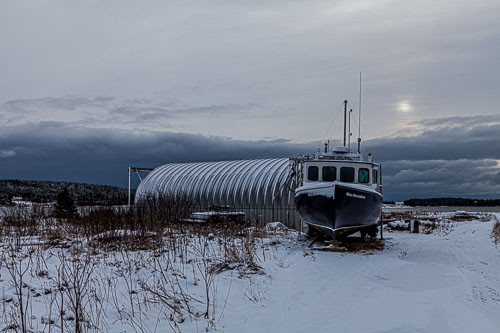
(495, 233)
(65, 205)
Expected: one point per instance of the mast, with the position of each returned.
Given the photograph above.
(359, 113)
(345, 120)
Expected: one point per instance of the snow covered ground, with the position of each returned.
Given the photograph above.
(446, 281)
(419, 283)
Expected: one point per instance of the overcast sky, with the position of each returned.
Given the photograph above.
(88, 88)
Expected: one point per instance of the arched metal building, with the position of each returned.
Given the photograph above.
(262, 188)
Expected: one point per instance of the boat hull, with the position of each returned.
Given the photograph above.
(338, 209)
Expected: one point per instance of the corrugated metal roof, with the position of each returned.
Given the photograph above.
(243, 183)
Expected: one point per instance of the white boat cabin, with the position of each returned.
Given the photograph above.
(343, 171)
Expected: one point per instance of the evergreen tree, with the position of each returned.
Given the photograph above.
(65, 205)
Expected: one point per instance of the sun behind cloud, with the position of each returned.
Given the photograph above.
(404, 107)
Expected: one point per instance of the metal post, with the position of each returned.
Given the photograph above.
(137, 170)
(381, 211)
(349, 132)
(359, 115)
(129, 185)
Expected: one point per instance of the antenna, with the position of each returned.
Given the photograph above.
(359, 113)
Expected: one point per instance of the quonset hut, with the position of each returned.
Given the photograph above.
(263, 189)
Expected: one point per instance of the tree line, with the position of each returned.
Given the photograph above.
(47, 191)
(453, 202)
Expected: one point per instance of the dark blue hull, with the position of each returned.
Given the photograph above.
(339, 209)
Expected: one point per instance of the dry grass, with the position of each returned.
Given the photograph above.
(467, 217)
(152, 237)
(355, 244)
(429, 222)
(352, 244)
(495, 233)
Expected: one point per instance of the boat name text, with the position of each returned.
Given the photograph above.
(359, 196)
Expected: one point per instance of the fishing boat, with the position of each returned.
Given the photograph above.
(339, 192)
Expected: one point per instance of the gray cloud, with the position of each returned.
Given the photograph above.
(443, 158)
(7, 153)
(291, 56)
(55, 150)
(127, 114)
(453, 156)
(448, 138)
(435, 178)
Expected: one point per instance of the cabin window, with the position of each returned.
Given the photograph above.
(347, 174)
(312, 173)
(374, 176)
(329, 173)
(363, 176)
